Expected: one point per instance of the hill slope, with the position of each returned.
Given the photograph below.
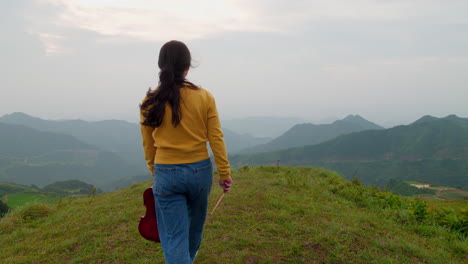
(436, 151)
(310, 134)
(301, 215)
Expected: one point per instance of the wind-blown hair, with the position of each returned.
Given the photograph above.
(174, 61)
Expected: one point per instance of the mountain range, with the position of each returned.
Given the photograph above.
(432, 149)
(108, 153)
(71, 149)
(310, 134)
(120, 137)
(29, 156)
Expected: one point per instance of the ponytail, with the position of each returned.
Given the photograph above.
(174, 60)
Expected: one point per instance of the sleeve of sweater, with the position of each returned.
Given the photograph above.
(148, 144)
(215, 136)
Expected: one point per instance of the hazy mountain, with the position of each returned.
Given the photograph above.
(29, 156)
(268, 127)
(117, 136)
(454, 118)
(235, 142)
(310, 134)
(22, 141)
(435, 149)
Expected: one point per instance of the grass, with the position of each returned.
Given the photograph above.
(272, 215)
(452, 195)
(17, 199)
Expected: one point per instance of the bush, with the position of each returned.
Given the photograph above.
(3, 209)
(406, 210)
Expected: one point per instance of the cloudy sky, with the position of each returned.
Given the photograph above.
(391, 61)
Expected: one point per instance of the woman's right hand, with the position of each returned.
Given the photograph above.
(226, 185)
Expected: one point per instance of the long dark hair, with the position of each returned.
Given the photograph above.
(174, 60)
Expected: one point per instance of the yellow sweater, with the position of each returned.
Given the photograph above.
(186, 143)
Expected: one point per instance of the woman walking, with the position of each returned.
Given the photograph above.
(177, 119)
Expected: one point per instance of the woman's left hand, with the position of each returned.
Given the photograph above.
(226, 185)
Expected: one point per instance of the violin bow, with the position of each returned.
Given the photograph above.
(219, 201)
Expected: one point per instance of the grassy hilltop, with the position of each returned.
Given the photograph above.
(273, 215)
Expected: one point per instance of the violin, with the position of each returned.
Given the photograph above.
(148, 225)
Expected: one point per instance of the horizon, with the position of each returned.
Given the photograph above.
(300, 120)
(389, 62)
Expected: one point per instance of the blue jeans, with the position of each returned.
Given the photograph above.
(181, 194)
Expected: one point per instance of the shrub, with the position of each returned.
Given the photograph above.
(3, 209)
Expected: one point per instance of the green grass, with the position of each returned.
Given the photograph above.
(448, 204)
(18, 199)
(452, 195)
(272, 215)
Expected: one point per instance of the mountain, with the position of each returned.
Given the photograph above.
(29, 156)
(120, 137)
(22, 141)
(310, 134)
(266, 127)
(236, 142)
(435, 150)
(428, 118)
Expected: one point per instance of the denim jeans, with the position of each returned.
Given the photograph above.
(181, 195)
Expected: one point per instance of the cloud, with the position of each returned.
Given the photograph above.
(52, 43)
(156, 20)
(152, 20)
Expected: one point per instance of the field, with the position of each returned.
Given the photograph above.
(18, 199)
(442, 192)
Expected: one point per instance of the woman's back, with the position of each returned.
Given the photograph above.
(186, 142)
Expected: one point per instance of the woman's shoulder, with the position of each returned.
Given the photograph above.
(200, 91)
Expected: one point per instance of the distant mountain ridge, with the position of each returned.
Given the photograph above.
(117, 136)
(236, 142)
(428, 118)
(310, 134)
(29, 156)
(263, 127)
(22, 141)
(429, 146)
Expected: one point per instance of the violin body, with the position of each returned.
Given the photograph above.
(148, 226)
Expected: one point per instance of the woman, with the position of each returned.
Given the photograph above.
(177, 119)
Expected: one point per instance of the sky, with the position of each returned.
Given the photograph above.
(390, 61)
